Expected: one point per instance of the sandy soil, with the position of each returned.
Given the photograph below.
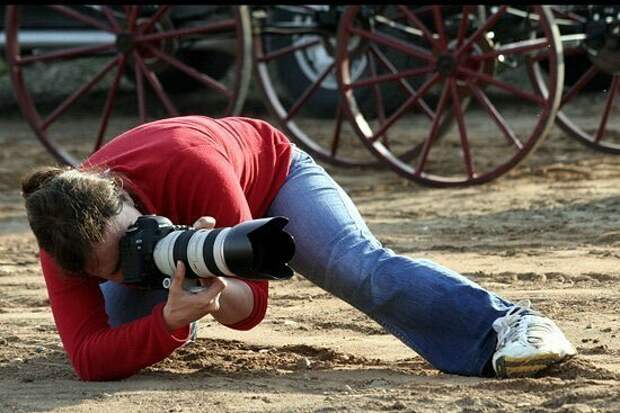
(549, 231)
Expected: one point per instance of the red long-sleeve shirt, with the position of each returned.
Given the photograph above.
(182, 168)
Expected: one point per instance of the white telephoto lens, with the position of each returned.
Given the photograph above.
(164, 253)
(218, 252)
(195, 256)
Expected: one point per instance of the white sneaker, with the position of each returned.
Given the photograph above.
(528, 342)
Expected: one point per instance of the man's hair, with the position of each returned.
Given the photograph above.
(68, 211)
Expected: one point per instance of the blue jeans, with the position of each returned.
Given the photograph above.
(442, 315)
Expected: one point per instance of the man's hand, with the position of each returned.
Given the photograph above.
(184, 307)
(237, 301)
(205, 223)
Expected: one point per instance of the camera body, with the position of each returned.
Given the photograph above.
(137, 246)
(258, 249)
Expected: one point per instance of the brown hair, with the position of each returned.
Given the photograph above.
(68, 211)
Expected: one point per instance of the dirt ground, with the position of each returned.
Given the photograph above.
(548, 231)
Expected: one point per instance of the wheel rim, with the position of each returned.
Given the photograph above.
(127, 41)
(286, 34)
(596, 132)
(602, 136)
(446, 47)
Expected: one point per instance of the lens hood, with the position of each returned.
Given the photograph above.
(259, 249)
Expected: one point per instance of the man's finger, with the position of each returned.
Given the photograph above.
(205, 223)
(211, 292)
(178, 277)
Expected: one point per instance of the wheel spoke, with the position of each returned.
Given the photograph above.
(386, 78)
(308, 92)
(404, 84)
(393, 24)
(389, 41)
(463, 25)
(503, 85)
(379, 108)
(286, 50)
(486, 26)
(154, 19)
(132, 18)
(428, 143)
(416, 21)
(567, 50)
(495, 115)
(62, 108)
(111, 19)
(439, 26)
(569, 15)
(613, 91)
(293, 29)
(66, 53)
(512, 48)
(222, 26)
(296, 9)
(408, 103)
(460, 120)
(156, 85)
(337, 130)
(140, 89)
(107, 110)
(579, 84)
(69, 12)
(191, 72)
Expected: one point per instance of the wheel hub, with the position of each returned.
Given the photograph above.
(168, 46)
(124, 42)
(446, 64)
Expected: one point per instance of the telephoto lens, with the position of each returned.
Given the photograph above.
(259, 249)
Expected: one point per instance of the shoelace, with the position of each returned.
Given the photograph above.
(514, 326)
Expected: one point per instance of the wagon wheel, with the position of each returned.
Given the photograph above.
(457, 55)
(128, 60)
(596, 87)
(293, 52)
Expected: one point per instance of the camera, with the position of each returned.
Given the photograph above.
(258, 249)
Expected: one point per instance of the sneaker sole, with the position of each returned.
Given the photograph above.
(509, 367)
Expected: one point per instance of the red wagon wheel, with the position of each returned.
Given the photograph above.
(294, 60)
(462, 54)
(596, 85)
(143, 62)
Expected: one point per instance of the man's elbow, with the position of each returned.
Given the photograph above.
(88, 370)
(86, 375)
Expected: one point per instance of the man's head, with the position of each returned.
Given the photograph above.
(78, 217)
